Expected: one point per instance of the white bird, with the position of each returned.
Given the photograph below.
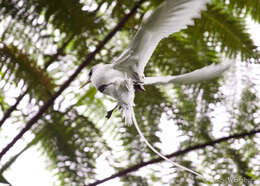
(125, 74)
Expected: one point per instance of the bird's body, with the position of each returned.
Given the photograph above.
(114, 83)
(117, 84)
(126, 72)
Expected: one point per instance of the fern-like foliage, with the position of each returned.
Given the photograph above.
(13, 61)
(243, 7)
(42, 42)
(65, 15)
(226, 32)
(73, 143)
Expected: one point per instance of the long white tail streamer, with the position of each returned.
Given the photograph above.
(158, 153)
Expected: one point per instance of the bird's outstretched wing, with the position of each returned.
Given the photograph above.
(171, 16)
(206, 73)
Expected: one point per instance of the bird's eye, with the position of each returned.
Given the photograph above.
(101, 88)
(90, 73)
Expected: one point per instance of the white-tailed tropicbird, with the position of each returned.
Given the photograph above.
(125, 74)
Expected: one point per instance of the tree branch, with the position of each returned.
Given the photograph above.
(12, 108)
(177, 153)
(9, 111)
(88, 59)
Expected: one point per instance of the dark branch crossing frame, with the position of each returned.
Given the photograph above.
(86, 62)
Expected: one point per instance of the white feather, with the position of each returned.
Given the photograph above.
(171, 16)
(128, 113)
(203, 74)
(158, 153)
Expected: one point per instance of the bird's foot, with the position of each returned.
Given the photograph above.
(138, 78)
(138, 87)
(109, 113)
(138, 81)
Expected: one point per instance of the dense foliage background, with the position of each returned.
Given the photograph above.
(42, 42)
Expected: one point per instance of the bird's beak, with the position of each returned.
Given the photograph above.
(85, 84)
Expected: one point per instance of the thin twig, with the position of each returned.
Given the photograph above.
(177, 153)
(88, 59)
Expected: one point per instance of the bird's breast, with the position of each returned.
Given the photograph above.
(114, 83)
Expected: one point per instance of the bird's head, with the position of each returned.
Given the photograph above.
(92, 71)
